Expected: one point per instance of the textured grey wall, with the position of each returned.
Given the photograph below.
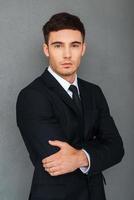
(108, 62)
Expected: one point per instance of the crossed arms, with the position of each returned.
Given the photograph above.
(38, 126)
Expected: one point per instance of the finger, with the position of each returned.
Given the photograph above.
(49, 159)
(50, 164)
(57, 143)
(56, 173)
(52, 169)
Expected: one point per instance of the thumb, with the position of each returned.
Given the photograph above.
(56, 143)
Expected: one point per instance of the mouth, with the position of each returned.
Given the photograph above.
(66, 64)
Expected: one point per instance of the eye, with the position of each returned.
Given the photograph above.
(57, 45)
(75, 45)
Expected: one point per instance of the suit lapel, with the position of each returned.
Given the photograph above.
(54, 86)
(85, 98)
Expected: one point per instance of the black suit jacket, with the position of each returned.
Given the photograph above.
(45, 111)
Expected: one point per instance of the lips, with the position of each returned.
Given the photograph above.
(67, 64)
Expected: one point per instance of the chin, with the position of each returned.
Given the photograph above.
(67, 72)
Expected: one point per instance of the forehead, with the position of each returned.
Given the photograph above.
(66, 35)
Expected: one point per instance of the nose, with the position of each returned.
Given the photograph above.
(67, 52)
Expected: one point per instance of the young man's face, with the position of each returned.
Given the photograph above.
(65, 49)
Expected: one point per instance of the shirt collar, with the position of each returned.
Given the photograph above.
(65, 84)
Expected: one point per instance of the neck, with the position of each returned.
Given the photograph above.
(70, 78)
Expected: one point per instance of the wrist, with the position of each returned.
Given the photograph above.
(82, 159)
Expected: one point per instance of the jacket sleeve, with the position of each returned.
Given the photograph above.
(37, 124)
(106, 149)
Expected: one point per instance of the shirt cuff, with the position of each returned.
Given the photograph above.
(86, 169)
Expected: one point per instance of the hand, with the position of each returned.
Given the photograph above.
(66, 160)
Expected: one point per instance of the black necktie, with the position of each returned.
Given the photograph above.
(76, 98)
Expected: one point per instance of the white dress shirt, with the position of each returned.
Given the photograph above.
(65, 84)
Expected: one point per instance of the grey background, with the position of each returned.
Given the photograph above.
(108, 62)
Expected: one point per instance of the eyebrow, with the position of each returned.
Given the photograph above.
(59, 42)
(76, 42)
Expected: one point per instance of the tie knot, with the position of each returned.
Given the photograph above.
(73, 88)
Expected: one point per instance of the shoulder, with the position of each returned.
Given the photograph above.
(92, 87)
(95, 92)
(36, 85)
(34, 93)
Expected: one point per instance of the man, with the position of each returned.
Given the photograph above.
(65, 121)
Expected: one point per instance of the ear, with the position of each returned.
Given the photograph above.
(83, 49)
(45, 49)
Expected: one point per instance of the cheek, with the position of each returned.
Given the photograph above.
(53, 58)
(77, 57)
(56, 56)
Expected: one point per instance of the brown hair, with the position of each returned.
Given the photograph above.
(62, 21)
